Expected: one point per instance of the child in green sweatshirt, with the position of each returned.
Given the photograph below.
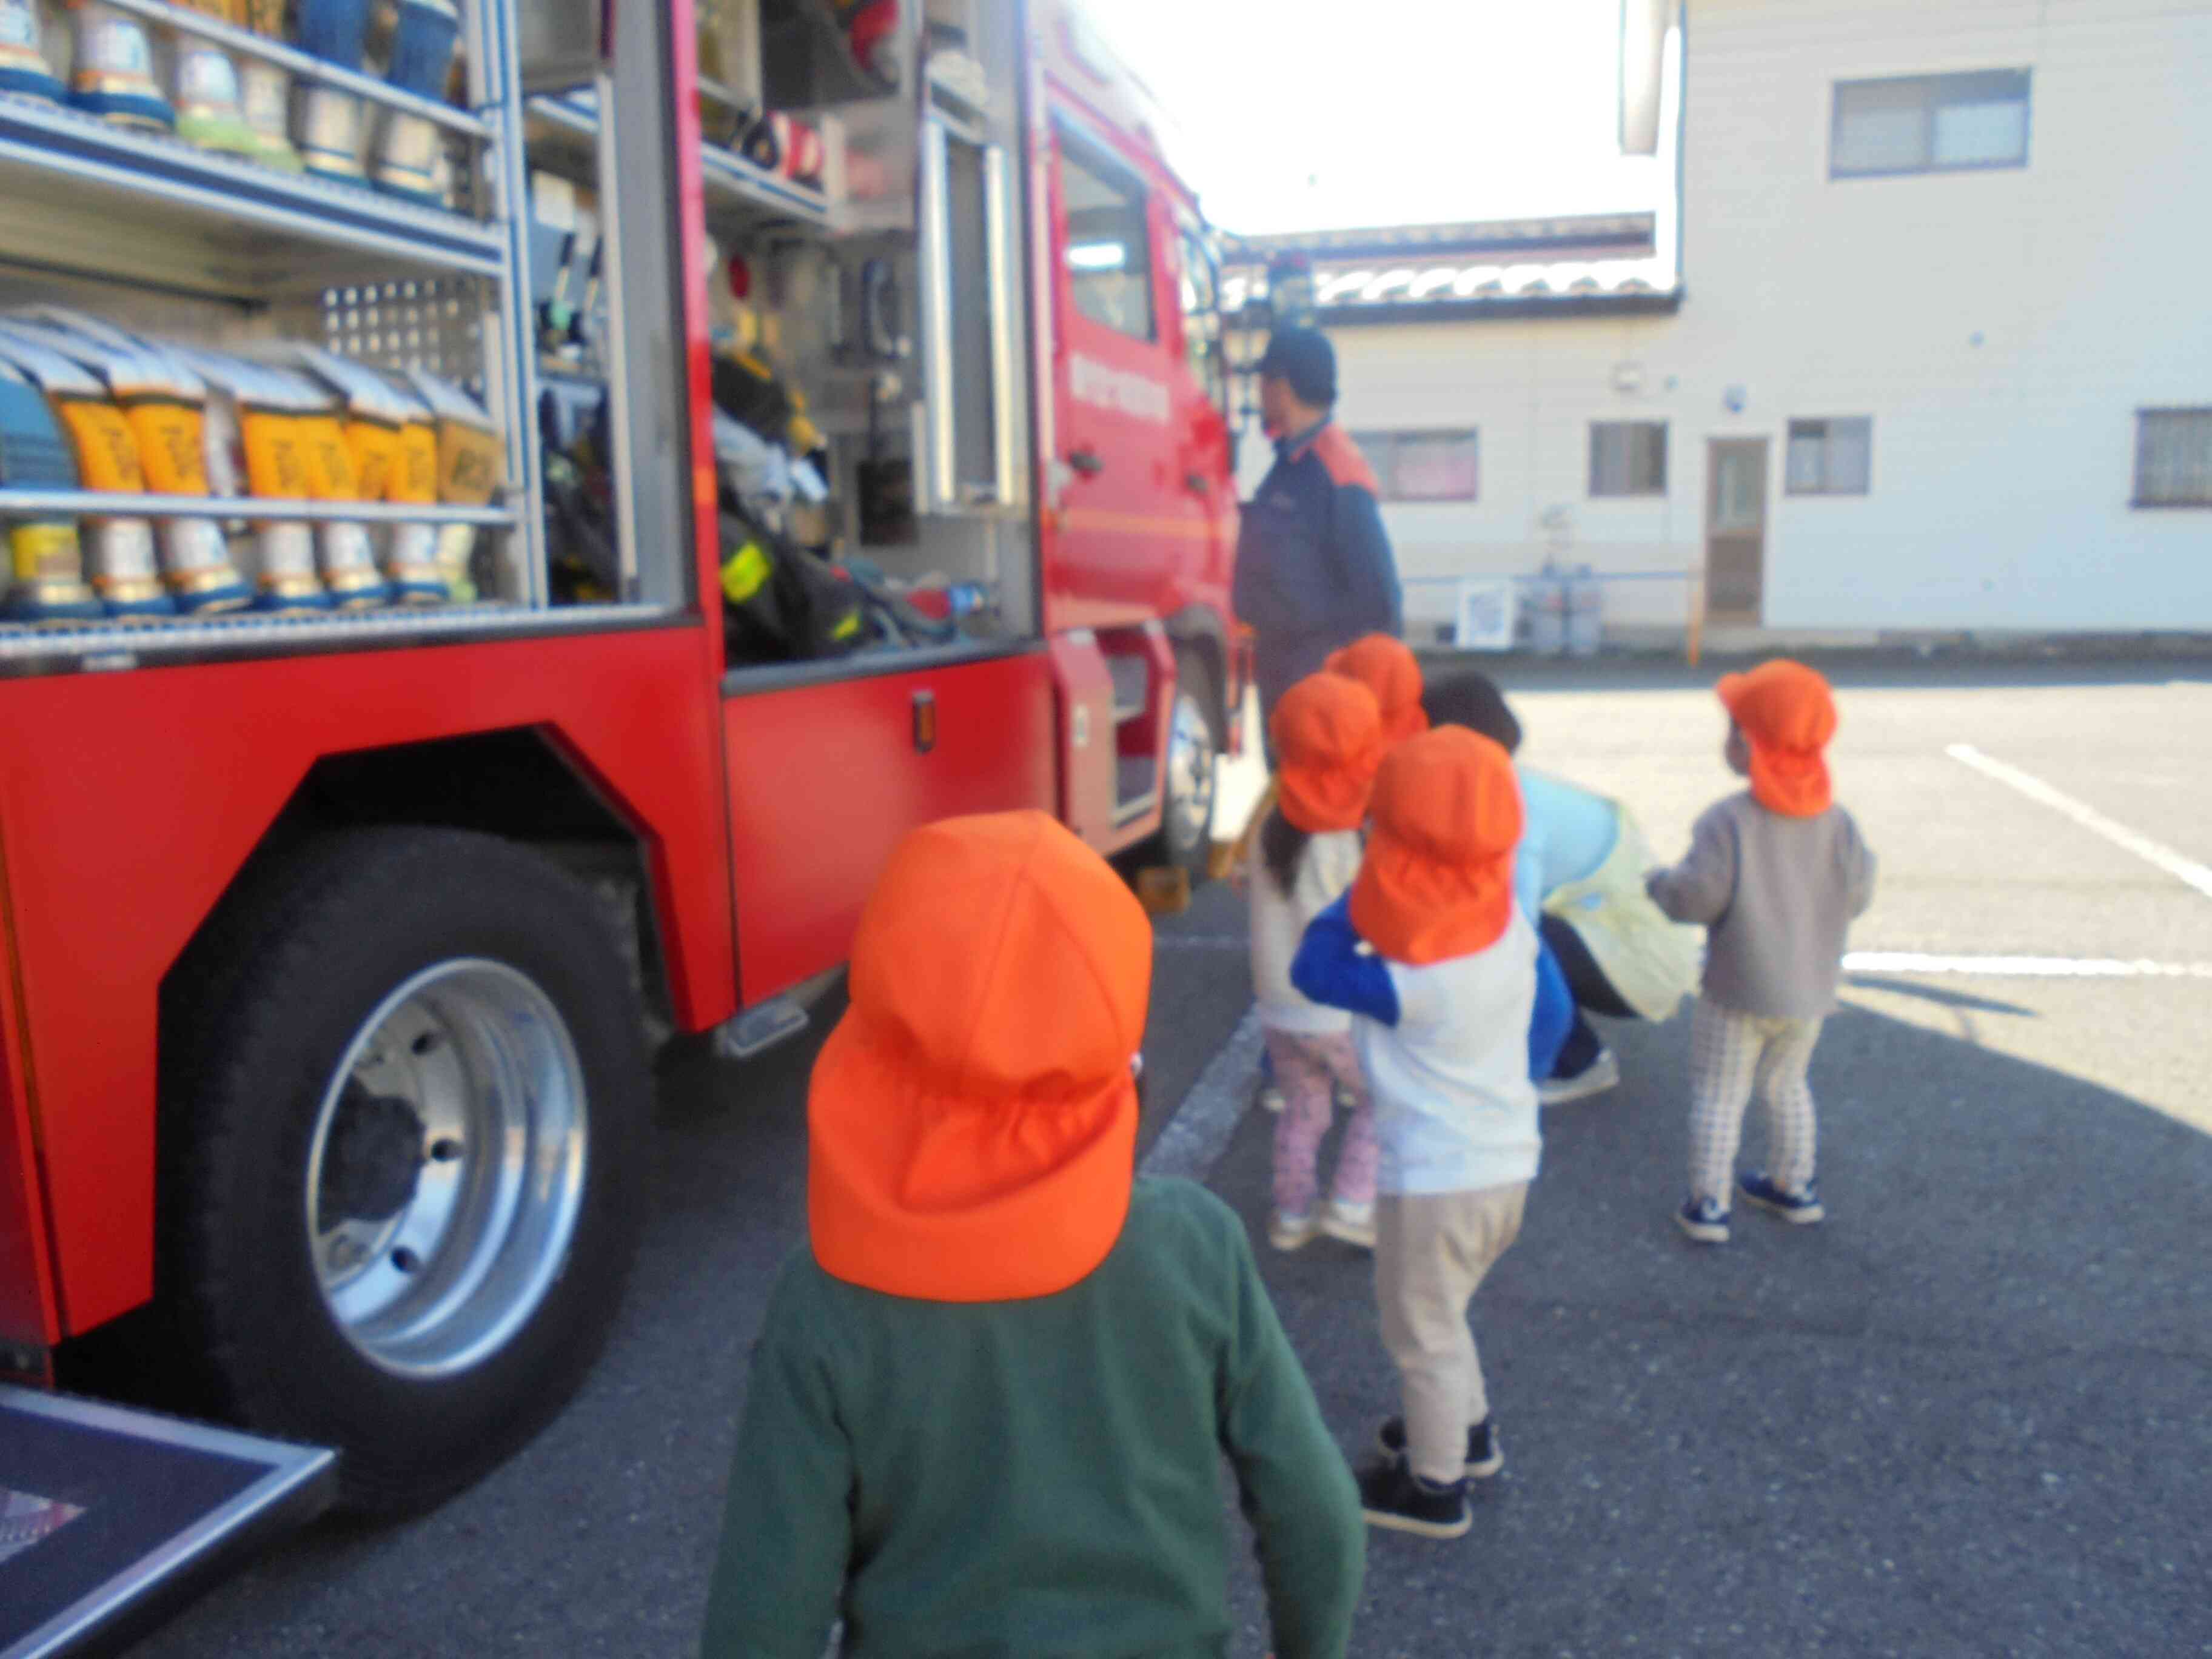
(990, 1395)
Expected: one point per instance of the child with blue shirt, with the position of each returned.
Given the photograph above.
(1441, 972)
(1579, 877)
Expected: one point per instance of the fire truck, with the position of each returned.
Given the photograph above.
(334, 922)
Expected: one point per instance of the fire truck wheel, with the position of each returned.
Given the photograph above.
(401, 1126)
(1194, 729)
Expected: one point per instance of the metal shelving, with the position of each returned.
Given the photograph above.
(109, 646)
(94, 503)
(64, 173)
(286, 252)
(736, 189)
(302, 65)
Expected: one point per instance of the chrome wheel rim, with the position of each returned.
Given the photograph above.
(446, 1172)
(1190, 775)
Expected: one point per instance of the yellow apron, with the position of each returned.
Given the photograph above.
(1652, 961)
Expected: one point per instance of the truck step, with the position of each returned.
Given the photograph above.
(1132, 677)
(759, 1029)
(1137, 789)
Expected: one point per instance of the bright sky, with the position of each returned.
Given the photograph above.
(1313, 115)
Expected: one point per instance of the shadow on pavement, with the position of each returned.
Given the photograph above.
(1963, 1416)
(1938, 995)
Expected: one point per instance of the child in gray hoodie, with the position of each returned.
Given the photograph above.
(1776, 875)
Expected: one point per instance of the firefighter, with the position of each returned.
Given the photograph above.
(1313, 566)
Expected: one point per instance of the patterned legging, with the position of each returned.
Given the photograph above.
(1308, 1070)
(1730, 1055)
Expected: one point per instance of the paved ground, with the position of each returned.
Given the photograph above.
(1967, 1417)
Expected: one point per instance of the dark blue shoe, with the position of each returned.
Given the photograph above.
(1391, 1495)
(1802, 1209)
(1705, 1220)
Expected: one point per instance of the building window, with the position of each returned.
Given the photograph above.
(1628, 458)
(1830, 457)
(1929, 123)
(2173, 457)
(1110, 252)
(1424, 466)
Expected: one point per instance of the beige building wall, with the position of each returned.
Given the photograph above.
(2000, 328)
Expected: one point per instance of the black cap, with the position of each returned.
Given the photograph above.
(1471, 699)
(1304, 358)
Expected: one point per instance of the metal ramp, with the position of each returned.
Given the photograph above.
(110, 1516)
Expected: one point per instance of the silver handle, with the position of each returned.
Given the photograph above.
(941, 474)
(997, 235)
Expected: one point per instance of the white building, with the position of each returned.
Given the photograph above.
(1926, 345)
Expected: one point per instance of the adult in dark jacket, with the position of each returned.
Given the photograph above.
(1314, 568)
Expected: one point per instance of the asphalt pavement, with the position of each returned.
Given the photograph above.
(1966, 1416)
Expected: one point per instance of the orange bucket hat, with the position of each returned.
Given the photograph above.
(972, 1123)
(1327, 734)
(1787, 715)
(1438, 879)
(1388, 669)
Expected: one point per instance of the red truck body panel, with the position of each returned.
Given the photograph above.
(824, 779)
(131, 799)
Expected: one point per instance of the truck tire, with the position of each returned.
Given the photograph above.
(404, 1098)
(1196, 725)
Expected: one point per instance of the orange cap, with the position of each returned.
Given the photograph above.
(1787, 715)
(1438, 878)
(972, 1124)
(1327, 734)
(1387, 668)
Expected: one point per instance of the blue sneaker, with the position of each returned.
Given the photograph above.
(1802, 1209)
(1705, 1220)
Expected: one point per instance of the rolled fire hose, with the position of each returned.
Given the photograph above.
(388, 463)
(164, 403)
(254, 448)
(119, 551)
(113, 78)
(23, 66)
(45, 559)
(264, 93)
(422, 53)
(472, 468)
(210, 111)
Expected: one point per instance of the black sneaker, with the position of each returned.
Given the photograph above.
(1391, 1495)
(1705, 1220)
(1485, 1457)
(1801, 1208)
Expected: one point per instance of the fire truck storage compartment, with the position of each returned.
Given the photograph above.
(247, 409)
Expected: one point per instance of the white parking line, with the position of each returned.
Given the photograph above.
(1912, 962)
(1198, 1133)
(2151, 851)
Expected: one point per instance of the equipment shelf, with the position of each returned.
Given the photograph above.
(110, 504)
(71, 180)
(302, 65)
(736, 189)
(92, 647)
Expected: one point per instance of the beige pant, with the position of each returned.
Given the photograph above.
(1431, 1252)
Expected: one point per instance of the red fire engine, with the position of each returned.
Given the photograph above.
(331, 933)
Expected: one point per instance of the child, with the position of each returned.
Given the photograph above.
(1384, 666)
(1579, 877)
(1776, 876)
(1438, 967)
(1328, 735)
(1387, 668)
(991, 1391)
